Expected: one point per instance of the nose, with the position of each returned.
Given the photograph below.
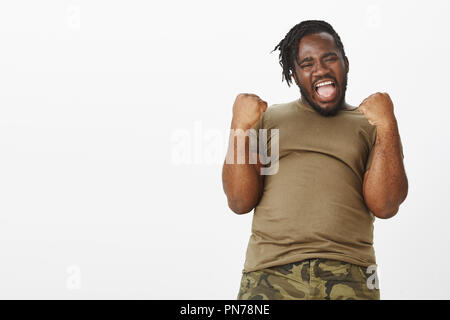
(320, 69)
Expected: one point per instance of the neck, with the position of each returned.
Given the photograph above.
(344, 105)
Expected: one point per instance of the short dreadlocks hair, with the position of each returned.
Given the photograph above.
(289, 45)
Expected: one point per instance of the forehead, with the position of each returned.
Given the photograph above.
(315, 44)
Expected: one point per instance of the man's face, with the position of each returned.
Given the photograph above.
(321, 73)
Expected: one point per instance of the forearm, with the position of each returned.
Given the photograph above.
(386, 185)
(242, 182)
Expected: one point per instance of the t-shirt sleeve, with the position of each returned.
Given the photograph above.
(369, 159)
(259, 124)
(254, 133)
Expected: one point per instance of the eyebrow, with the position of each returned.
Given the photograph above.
(328, 54)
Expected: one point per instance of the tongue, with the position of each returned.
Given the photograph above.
(326, 91)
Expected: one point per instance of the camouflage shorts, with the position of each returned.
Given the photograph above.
(310, 279)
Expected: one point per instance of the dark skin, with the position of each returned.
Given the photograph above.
(385, 185)
(319, 59)
(243, 183)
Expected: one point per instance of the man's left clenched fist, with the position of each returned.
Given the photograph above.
(378, 109)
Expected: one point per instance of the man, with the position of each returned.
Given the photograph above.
(339, 167)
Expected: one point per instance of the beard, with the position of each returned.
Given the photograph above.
(330, 112)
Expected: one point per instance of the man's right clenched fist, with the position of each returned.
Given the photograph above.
(247, 110)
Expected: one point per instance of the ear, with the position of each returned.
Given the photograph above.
(347, 65)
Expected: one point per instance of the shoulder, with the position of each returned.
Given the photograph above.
(365, 128)
(278, 111)
(282, 107)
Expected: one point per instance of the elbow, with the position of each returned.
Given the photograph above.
(385, 207)
(384, 213)
(240, 206)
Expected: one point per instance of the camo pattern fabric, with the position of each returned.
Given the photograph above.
(311, 279)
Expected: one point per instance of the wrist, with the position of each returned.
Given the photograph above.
(236, 124)
(388, 125)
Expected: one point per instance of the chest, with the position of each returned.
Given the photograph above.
(342, 138)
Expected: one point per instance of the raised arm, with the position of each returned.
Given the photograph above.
(243, 182)
(385, 185)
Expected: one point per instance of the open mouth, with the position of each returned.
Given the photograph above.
(325, 90)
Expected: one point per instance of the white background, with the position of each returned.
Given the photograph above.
(98, 100)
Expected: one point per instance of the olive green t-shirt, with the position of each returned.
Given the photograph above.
(313, 207)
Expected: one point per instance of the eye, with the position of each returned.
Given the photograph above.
(307, 65)
(331, 59)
